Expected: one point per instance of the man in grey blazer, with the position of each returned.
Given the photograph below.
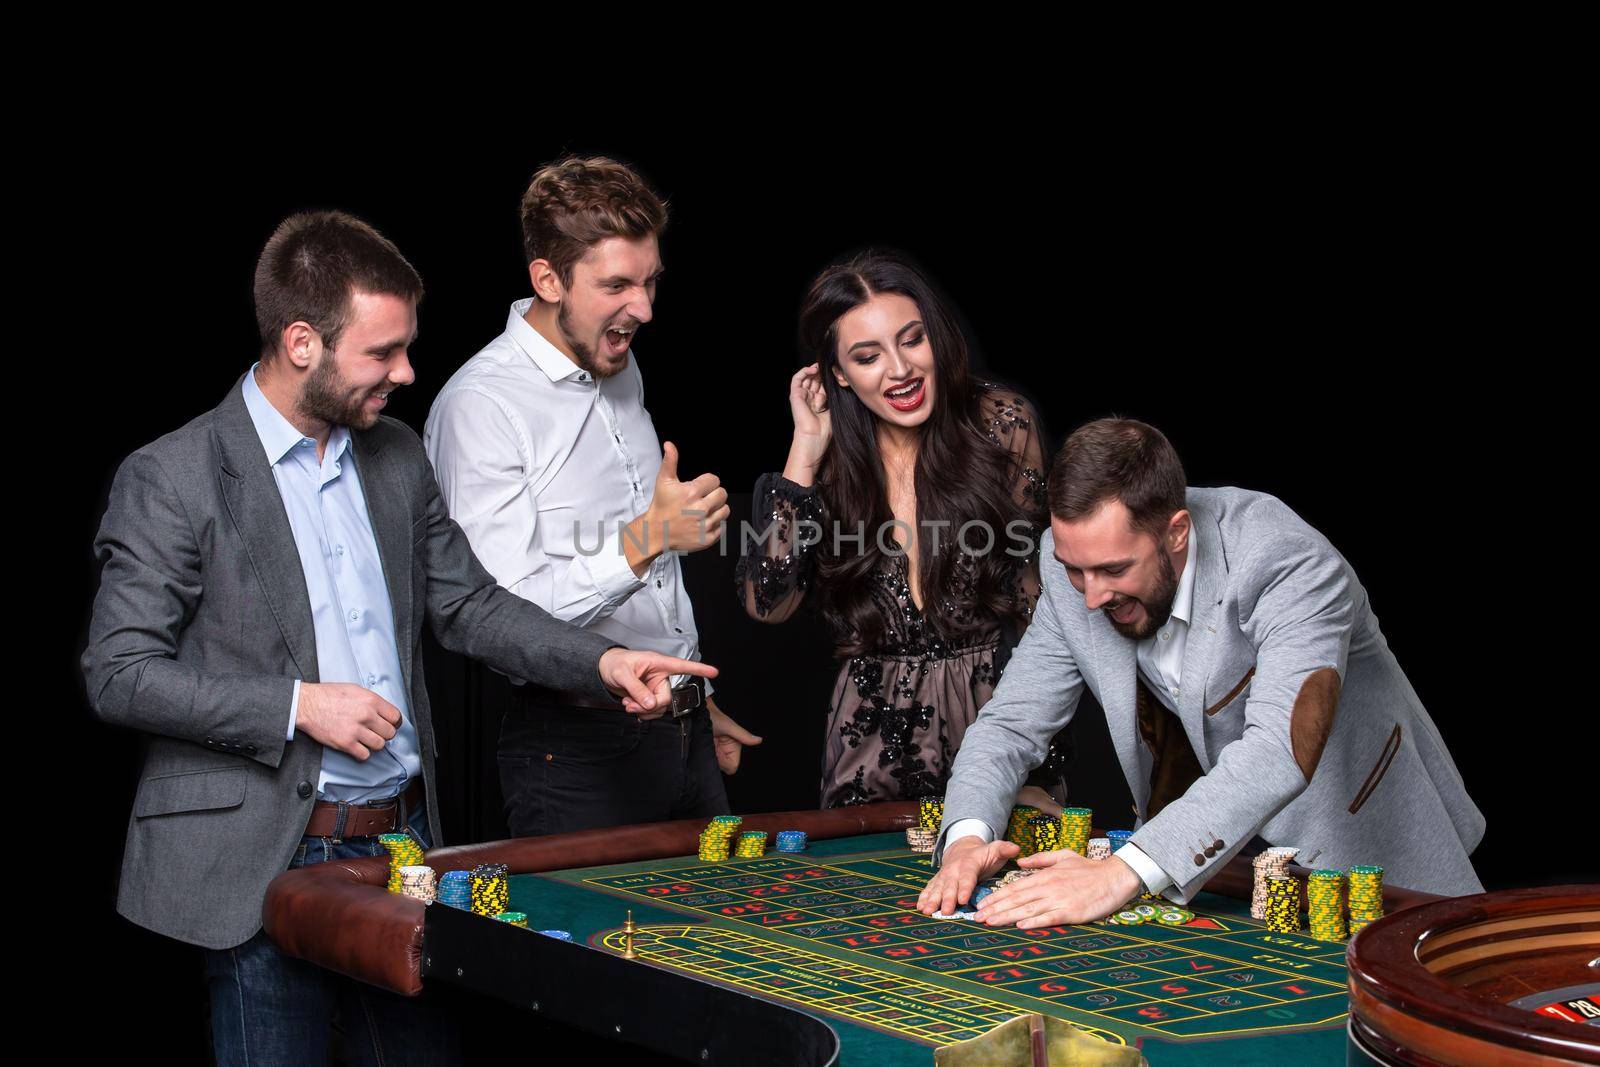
(1248, 690)
(265, 574)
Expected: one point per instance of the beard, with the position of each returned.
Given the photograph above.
(327, 398)
(1155, 617)
(582, 352)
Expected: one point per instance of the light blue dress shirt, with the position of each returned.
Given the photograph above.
(350, 608)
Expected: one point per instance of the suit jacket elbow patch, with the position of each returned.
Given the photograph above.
(1311, 720)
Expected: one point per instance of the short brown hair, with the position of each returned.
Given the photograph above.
(1124, 459)
(575, 203)
(312, 264)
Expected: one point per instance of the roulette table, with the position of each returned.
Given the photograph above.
(820, 957)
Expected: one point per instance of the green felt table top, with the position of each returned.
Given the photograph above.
(832, 931)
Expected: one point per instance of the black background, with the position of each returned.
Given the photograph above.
(1343, 324)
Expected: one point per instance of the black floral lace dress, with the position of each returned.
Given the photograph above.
(899, 711)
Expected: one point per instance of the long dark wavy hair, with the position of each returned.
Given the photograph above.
(961, 473)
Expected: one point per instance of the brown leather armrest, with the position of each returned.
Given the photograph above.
(341, 916)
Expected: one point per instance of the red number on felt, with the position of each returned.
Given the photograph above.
(1152, 1012)
(1174, 987)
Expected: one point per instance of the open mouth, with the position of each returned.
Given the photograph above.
(1124, 613)
(907, 397)
(618, 339)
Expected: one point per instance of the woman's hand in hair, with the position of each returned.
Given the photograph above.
(808, 404)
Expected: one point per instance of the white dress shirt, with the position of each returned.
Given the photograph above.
(541, 464)
(1160, 658)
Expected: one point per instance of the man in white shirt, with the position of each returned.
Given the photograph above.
(549, 461)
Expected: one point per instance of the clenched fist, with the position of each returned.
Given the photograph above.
(354, 720)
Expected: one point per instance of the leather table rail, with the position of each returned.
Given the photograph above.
(341, 916)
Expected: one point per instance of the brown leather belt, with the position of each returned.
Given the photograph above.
(362, 820)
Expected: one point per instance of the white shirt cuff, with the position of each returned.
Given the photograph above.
(610, 574)
(294, 709)
(967, 828)
(1154, 878)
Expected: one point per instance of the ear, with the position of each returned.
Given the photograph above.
(844, 383)
(546, 283)
(301, 344)
(1179, 527)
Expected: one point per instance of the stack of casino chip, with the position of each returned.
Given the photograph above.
(930, 813)
(419, 883)
(403, 852)
(1271, 863)
(1325, 905)
(921, 840)
(559, 935)
(1046, 833)
(455, 890)
(1118, 838)
(1164, 914)
(1075, 829)
(1283, 904)
(515, 918)
(1017, 830)
(717, 836)
(752, 845)
(1366, 897)
(491, 892)
(1099, 848)
(791, 840)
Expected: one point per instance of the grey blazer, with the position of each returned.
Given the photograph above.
(1304, 724)
(202, 622)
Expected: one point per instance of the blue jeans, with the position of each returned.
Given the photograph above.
(270, 1008)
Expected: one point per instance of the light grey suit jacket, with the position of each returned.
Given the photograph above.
(202, 623)
(1304, 724)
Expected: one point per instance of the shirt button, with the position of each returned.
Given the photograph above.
(1174, 690)
(372, 679)
(658, 583)
(355, 614)
(338, 550)
(1165, 635)
(677, 629)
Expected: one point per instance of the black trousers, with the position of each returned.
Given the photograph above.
(571, 768)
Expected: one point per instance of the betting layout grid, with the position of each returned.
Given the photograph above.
(841, 935)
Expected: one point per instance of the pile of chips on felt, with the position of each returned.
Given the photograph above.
(930, 813)
(491, 891)
(1099, 848)
(791, 840)
(752, 845)
(921, 840)
(403, 852)
(1366, 897)
(1325, 905)
(1046, 833)
(559, 935)
(1272, 863)
(1075, 829)
(717, 836)
(418, 882)
(515, 918)
(1163, 914)
(1118, 838)
(1018, 830)
(1283, 904)
(455, 890)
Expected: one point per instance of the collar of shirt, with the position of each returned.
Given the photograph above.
(546, 356)
(278, 435)
(1183, 601)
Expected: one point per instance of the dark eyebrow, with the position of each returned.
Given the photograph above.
(902, 332)
(619, 279)
(1102, 567)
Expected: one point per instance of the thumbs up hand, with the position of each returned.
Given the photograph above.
(684, 516)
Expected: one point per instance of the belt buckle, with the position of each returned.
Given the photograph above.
(685, 698)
